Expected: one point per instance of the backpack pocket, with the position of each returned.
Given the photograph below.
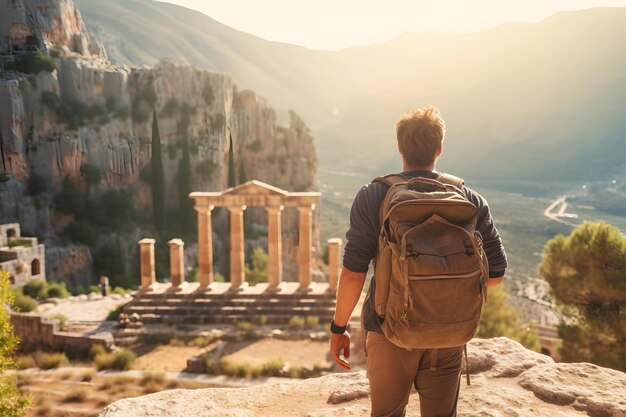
(382, 275)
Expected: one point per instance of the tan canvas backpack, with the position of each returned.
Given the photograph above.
(431, 270)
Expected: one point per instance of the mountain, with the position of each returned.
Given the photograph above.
(520, 100)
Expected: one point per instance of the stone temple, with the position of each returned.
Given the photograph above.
(22, 257)
(209, 302)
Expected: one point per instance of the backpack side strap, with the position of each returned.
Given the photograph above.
(450, 180)
(390, 179)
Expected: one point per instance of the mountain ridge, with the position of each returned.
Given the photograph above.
(559, 79)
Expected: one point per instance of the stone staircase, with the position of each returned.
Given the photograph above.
(222, 306)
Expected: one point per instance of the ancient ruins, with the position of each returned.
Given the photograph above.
(208, 301)
(22, 257)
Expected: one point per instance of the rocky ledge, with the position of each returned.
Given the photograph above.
(507, 380)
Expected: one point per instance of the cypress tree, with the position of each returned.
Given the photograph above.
(232, 181)
(243, 177)
(158, 177)
(184, 188)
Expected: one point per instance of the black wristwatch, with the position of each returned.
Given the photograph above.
(337, 329)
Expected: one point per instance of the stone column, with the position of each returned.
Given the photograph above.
(305, 245)
(146, 256)
(275, 247)
(205, 247)
(237, 271)
(177, 263)
(334, 263)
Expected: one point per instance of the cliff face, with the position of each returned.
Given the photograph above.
(90, 113)
(28, 23)
(507, 380)
(115, 133)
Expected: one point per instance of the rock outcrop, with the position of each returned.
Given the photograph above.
(507, 380)
(39, 23)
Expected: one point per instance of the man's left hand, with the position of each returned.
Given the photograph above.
(340, 343)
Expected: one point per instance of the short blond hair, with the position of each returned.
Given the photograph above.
(420, 134)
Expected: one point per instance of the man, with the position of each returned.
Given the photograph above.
(392, 370)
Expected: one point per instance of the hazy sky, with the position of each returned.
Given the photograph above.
(336, 24)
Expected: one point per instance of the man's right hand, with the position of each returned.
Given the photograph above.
(340, 344)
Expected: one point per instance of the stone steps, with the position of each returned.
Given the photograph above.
(217, 319)
(227, 307)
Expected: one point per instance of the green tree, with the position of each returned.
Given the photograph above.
(92, 175)
(587, 275)
(184, 188)
(232, 181)
(499, 319)
(258, 272)
(12, 402)
(158, 177)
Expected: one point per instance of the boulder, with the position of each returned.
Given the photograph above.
(507, 381)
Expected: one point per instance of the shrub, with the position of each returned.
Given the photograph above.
(56, 290)
(35, 288)
(69, 200)
(46, 360)
(312, 321)
(20, 242)
(205, 168)
(87, 376)
(122, 113)
(76, 396)
(97, 350)
(171, 107)
(273, 367)
(81, 232)
(218, 122)
(256, 145)
(111, 103)
(115, 313)
(153, 377)
(297, 322)
(62, 320)
(217, 277)
(91, 173)
(118, 290)
(120, 360)
(50, 99)
(25, 362)
(244, 326)
(260, 320)
(36, 184)
(148, 95)
(25, 303)
(140, 115)
(33, 63)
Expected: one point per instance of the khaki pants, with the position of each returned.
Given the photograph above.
(392, 371)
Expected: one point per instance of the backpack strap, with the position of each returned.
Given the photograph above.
(450, 180)
(390, 179)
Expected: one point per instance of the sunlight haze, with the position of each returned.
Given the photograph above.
(333, 25)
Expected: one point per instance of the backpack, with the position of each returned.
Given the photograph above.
(431, 270)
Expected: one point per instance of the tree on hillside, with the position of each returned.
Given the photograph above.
(258, 272)
(184, 188)
(232, 181)
(158, 177)
(587, 275)
(12, 402)
(499, 319)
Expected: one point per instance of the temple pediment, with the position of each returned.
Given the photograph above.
(254, 187)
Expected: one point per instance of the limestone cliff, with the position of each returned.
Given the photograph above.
(26, 24)
(88, 112)
(507, 380)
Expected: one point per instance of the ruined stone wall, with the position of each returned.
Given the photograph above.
(35, 332)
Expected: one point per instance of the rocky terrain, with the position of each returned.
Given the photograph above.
(507, 381)
(88, 115)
